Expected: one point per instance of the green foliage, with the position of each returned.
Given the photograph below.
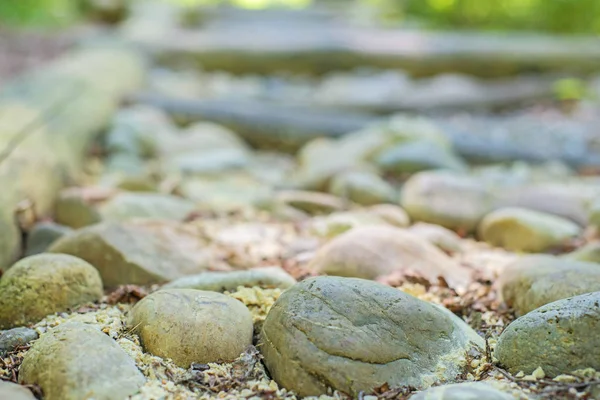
(38, 12)
(559, 16)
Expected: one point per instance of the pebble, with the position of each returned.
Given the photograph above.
(532, 281)
(13, 338)
(463, 391)
(43, 284)
(439, 236)
(522, 230)
(138, 252)
(362, 187)
(12, 391)
(559, 337)
(43, 235)
(192, 326)
(415, 156)
(125, 206)
(355, 335)
(77, 361)
(375, 251)
(266, 278)
(310, 202)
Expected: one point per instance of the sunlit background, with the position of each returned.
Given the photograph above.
(560, 16)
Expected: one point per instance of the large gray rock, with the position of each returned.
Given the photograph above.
(463, 391)
(519, 229)
(12, 391)
(560, 337)
(76, 361)
(371, 252)
(192, 326)
(44, 284)
(13, 338)
(355, 335)
(533, 281)
(268, 277)
(137, 252)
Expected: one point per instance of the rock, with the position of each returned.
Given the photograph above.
(192, 326)
(140, 253)
(392, 214)
(13, 338)
(376, 251)
(43, 235)
(559, 337)
(75, 210)
(339, 222)
(447, 199)
(588, 252)
(463, 391)
(533, 281)
(268, 278)
(210, 162)
(43, 284)
(12, 391)
(417, 156)
(519, 229)
(126, 206)
(201, 136)
(310, 202)
(226, 191)
(439, 236)
(594, 214)
(355, 335)
(362, 188)
(75, 361)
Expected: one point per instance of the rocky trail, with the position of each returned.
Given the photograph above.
(188, 216)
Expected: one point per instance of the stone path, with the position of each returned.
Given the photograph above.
(142, 258)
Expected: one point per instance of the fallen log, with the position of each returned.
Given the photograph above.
(47, 120)
(478, 138)
(321, 48)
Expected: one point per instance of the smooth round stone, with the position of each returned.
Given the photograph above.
(268, 278)
(77, 361)
(12, 391)
(13, 338)
(124, 206)
(137, 252)
(533, 281)
(210, 162)
(376, 251)
(392, 214)
(439, 236)
(73, 210)
(406, 128)
(447, 199)
(339, 222)
(355, 335)
(589, 252)
(519, 229)
(310, 202)
(192, 326)
(362, 188)
(45, 284)
(201, 136)
(463, 391)
(43, 235)
(416, 156)
(559, 337)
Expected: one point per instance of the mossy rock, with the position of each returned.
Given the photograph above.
(589, 252)
(13, 338)
(77, 361)
(137, 252)
(519, 229)
(533, 281)
(463, 391)
(268, 278)
(192, 326)
(45, 284)
(355, 335)
(559, 337)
